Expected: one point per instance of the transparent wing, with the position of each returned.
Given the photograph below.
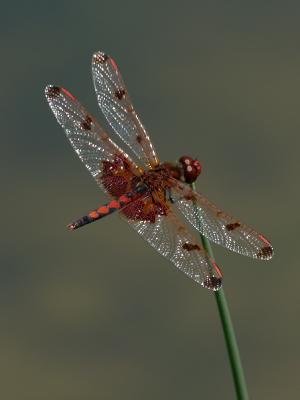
(162, 229)
(115, 103)
(102, 157)
(218, 226)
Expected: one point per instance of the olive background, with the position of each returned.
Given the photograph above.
(98, 314)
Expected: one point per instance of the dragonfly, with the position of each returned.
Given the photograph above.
(153, 197)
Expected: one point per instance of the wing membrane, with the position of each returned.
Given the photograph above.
(218, 226)
(93, 146)
(116, 105)
(171, 239)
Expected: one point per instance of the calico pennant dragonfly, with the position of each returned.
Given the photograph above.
(150, 196)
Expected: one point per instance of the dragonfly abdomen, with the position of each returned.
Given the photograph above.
(103, 211)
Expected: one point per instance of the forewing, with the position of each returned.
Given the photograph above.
(115, 103)
(93, 146)
(171, 239)
(218, 226)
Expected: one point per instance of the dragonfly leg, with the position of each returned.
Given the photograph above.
(169, 196)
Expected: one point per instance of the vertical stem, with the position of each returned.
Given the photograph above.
(229, 335)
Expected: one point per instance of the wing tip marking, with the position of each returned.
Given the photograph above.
(52, 91)
(213, 283)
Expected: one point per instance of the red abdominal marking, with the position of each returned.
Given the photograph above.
(125, 199)
(103, 210)
(115, 204)
(94, 214)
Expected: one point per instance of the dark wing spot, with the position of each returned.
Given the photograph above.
(265, 253)
(212, 282)
(139, 138)
(191, 246)
(120, 94)
(232, 227)
(101, 58)
(53, 91)
(87, 123)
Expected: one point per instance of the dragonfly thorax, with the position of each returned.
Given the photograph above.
(159, 178)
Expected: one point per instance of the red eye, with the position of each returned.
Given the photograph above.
(198, 166)
(191, 168)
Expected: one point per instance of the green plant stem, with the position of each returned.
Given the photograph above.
(229, 335)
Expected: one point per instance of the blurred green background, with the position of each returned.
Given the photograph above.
(98, 314)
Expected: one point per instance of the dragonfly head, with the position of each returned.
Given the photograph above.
(191, 168)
